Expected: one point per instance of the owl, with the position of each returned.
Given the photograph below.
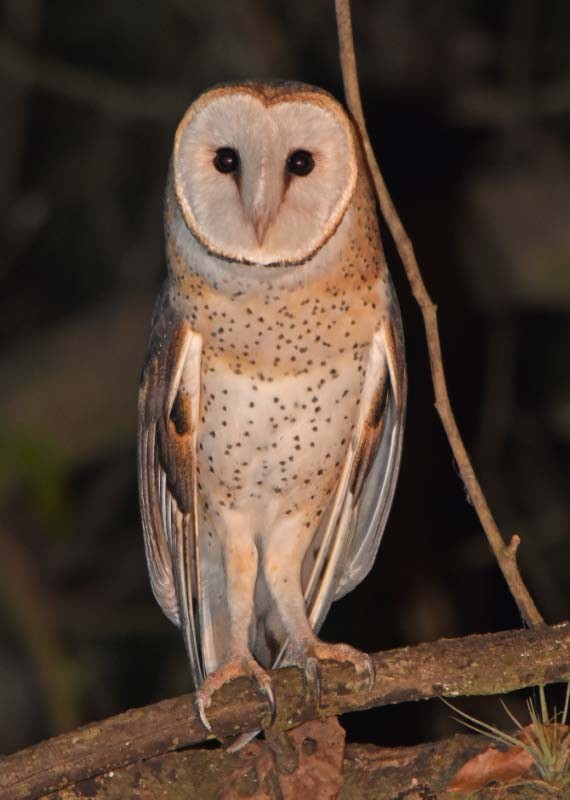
(271, 407)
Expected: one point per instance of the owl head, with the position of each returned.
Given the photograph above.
(263, 174)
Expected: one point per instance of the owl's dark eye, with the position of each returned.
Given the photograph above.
(301, 162)
(226, 160)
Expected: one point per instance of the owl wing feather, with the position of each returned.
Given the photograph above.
(349, 537)
(169, 399)
(374, 488)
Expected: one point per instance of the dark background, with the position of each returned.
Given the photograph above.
(467, 104)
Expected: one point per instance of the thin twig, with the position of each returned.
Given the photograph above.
(506, 556)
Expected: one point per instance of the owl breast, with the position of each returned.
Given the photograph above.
(280, 387)
(283, 439)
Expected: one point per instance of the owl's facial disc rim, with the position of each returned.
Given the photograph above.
(315, 97)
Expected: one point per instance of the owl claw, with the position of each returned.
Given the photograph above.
(370, 672)
(310, 655)
(235, 667)
(199, 704)
(264, 683)
(313, 676)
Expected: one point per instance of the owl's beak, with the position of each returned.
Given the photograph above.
(261, 192)
(261, 220)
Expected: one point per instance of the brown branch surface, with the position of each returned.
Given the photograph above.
(505, 554)
(369, 773)
(475, 665)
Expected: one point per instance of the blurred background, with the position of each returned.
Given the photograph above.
(468, 108)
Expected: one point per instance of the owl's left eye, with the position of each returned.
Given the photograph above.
(226, 160)
(301, 162)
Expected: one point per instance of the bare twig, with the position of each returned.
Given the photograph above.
(475, 665)
(506, 556)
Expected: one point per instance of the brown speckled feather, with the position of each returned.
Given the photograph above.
(353, 527)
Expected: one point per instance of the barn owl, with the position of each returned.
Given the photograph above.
(271, 406)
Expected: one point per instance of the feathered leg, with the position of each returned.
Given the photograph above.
(240, 561)
(282, 561)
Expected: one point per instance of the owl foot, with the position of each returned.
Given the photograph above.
(310, 656)
(362, 662)
(235, 667)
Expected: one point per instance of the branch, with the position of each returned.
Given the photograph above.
(475, 665)
(505, 554)
(382, 773)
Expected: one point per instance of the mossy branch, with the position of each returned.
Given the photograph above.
(475, 665)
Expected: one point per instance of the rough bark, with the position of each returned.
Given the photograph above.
(370, 773)
(475, 665)
(375, 773)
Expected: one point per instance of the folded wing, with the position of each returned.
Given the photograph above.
(347, 541)
(169, 401)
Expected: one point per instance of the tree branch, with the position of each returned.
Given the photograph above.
(382, 773)
(505, 554)
(475, 665)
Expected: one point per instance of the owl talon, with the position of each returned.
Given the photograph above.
(199, 705)
(371, 673)
(313, 676)
(264, 683)
(235, 667)
(318, 651)
(367, 670)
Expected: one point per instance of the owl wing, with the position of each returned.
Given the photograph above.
(348, 539)
(169, 400)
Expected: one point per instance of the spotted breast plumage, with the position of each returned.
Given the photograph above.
(272, 401)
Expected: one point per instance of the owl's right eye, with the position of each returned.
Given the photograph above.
(226, 160)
